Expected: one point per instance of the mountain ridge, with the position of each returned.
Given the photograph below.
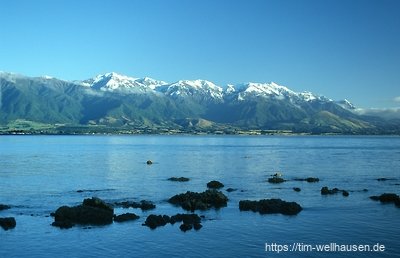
(118, 101)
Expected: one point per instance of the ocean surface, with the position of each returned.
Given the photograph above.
(38, 174)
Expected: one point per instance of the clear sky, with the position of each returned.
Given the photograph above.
(336, 48)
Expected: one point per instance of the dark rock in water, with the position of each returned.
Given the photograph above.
(93, 211)
(397, 202)
(8, 223)
(97, 203)
(229, 190)
(308, 179)
(215, 184)
(200, 201)
(185, 227)
(154, 221)
(312, 179)
(276, 180)
(296, 189)
(149, 162)
(179, 179)
(185, 218)
(146, 205)
(4, 207)
(189, 221)
(125, 217)
(326, 191)
(384, 179)
(386, 198)
(65, 224)
(267, 206)
(143, 205)
(197, 226)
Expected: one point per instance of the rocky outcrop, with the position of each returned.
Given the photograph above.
(178, 179)
(192, 201)
(8, 223)
(267, 206)
(92, 211)
(276, 180)
(154, 221)
(125, 217)
(189, 221)
(326, 191)
(388, 198)
(215, 184)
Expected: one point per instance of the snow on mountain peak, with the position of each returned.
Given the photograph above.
(262, 90)
(201, 89)
(114, 81)
(346, 104)
(307, 96)
(47, 77)
(193, 87)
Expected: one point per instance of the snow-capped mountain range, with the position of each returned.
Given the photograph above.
(114, 82)
(119, 101)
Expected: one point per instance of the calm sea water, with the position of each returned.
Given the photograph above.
(40, 173)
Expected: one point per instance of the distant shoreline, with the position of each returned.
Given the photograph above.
(195, 133)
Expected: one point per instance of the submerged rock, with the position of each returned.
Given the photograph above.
(4, 207)
(92, 211)
(384, 179)
(178, 179)
(200, 201)
(229, 190)
(312, 179)
(125, 217)
(296, 189)
(267, 206)
(308, 179)
(215, 184)
(8, 223)
(276, 180)
(189, 221)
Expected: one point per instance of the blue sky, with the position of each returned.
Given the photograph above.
(337, 48)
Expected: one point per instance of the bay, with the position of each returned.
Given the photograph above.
(38, 174)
